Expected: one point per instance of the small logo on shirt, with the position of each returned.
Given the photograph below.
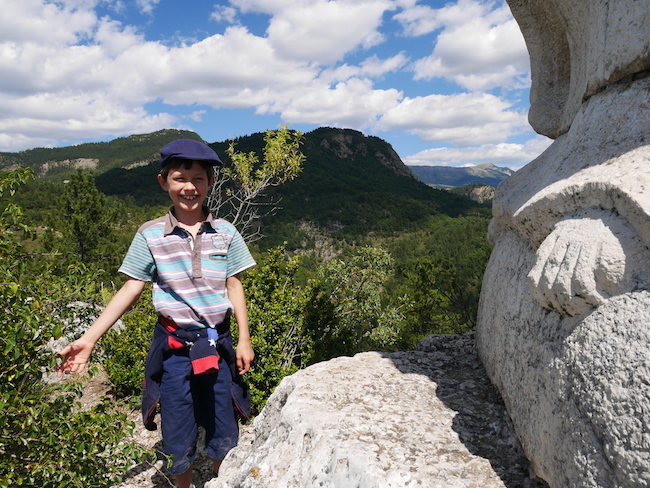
(219, 244)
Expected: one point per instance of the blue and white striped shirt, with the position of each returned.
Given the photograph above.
(189, 278)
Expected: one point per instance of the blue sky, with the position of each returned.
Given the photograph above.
(444, 83)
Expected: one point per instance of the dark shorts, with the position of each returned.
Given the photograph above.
(187, 401)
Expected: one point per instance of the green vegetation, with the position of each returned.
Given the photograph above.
(349, 309)
(46, 440)
(60, 163)
(239, 193)
(86, 220)
(358, 258)
(124, 352)
(277, 323)
(441, 270)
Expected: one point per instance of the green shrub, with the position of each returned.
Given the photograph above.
(125, 351)
(276, 307)
(348, 310)
(46, 440)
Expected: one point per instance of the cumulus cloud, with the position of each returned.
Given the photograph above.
(479, 48)
(324, 31)
(353, 103)
(464, 119)
(44, 118)
(507, 155)
(67, 73)
(25, 22)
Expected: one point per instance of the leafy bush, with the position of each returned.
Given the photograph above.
(442, 271)
(276, 307)
(45, 439)
(348, 311)
(125, 351)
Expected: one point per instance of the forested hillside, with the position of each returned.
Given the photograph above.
(351, 185)
(56, 164)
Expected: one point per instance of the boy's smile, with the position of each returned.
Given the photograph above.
(187, 188)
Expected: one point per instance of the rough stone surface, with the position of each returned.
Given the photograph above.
(427, 418)
(565, 306)
(577, 48)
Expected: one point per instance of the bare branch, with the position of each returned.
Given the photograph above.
(240, 192)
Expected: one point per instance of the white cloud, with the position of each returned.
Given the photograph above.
(270, 7)
(233, 70)
(479, 48)
(324, 31)
(418, 20)
(223, 13)
(34, 22)
(504, 155)
(147, 6)
(196, 116)
(353, 103)
(375, 67)
(46, 117)
(66, 74)
(464, 119)
(372, 67)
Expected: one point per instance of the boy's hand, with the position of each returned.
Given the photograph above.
(76, 355)
(245, 356)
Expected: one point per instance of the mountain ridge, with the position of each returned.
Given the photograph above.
(351, 184)
(449, 177)
(130, 151)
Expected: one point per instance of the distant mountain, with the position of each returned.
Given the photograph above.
(125, 152)
(448, 177)
(350, 185)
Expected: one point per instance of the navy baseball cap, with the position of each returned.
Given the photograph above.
(190, 150)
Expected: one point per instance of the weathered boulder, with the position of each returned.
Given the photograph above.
(565, 306)
(426, 418)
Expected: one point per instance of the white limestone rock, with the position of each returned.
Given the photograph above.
(416, 419)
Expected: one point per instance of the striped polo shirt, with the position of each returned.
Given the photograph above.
(189, 276)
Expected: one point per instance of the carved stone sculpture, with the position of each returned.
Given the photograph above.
(564, 319)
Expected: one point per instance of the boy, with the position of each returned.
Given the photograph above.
(194, 262)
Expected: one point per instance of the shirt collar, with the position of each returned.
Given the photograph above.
(171, 222)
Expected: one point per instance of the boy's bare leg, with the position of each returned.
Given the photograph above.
(216, 464)
(184, 480)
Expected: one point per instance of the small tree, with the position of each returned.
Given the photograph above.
(86, 218)
(240, 192)
(346, 313)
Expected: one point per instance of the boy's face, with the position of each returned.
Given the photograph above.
(187, 188)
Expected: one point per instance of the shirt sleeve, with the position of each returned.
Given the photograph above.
(239, 257)
(138, 262)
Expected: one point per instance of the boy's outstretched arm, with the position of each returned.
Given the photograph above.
(77, 353)
(245, 353)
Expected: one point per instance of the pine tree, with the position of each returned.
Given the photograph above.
(87, 221)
